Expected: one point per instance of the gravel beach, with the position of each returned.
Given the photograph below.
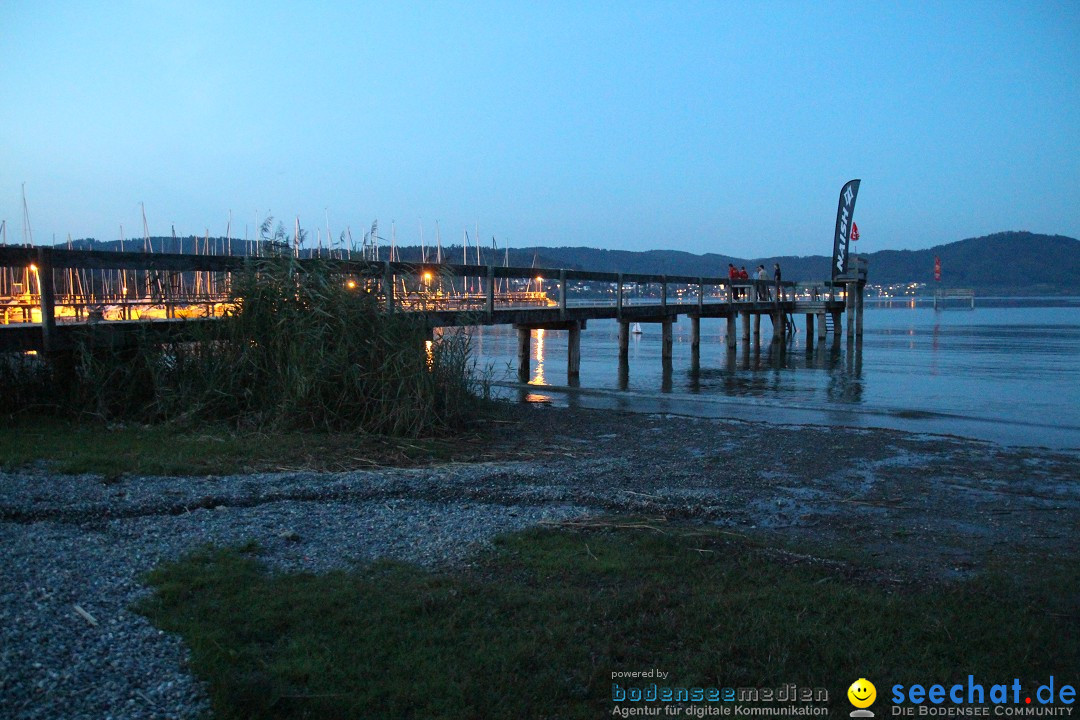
(927, 507)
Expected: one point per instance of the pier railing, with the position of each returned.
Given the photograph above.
(70, 286)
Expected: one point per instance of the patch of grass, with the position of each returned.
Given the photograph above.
(67, 446)
(537, 626)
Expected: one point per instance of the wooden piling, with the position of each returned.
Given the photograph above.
(757, 326)
(624, 339)
(809, 327)
(48, 300)
(489, 298)
(849, 307)
(619, 298)
(524, 340)
(821, 325)
(388, 286)
(666, 343)
(695, 333)
(730, 339)
(573, 352)
(745, 327)
(859, 311)
(779, 322)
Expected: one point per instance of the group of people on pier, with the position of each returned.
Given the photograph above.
(761, 281)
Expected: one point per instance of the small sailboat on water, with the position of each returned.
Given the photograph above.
(636, 328)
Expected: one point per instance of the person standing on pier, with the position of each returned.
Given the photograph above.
(776, 278)
(761, 286)
(733, 275)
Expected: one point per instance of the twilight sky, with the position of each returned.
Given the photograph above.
(714, 126)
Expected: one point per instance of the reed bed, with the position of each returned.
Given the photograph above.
(301, 348)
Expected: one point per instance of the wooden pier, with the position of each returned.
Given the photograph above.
(966, 296)
(489, 295)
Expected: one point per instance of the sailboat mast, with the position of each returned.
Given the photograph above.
(28, 234)
(465, 258)
(147, 245)
(123, 273)
(329, 237)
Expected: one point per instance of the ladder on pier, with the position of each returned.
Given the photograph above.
(829, 326)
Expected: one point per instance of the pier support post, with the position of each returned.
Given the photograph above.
(624, 340)
(619, 298)
(388, 286)
(821, 325)
(745, 327)
(489, 298)
(730, 339)
(573, 352)
(524, 339)
(779, 321)
(849, 308)
(666, 341)
(809, 327)
(695, 343)
(837, 319)
(757, 326)
(47, 293)
(858, 311)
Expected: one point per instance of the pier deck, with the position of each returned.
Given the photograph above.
(69, 291)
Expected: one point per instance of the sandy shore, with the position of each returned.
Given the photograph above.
(923, 504)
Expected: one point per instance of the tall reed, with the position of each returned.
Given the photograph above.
(301, 349)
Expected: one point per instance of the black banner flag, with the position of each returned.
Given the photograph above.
(844, 213)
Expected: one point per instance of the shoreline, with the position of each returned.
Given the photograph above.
(1055, 437)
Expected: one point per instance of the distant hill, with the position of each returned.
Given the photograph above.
(1007, 263)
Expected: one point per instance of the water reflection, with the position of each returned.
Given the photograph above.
(1006, 364)
(782, 371)
(538, 358)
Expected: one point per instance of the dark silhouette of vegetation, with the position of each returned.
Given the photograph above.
(303, 348)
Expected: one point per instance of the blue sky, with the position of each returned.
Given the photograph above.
(723, 127)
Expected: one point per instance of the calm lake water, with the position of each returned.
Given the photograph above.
(1007, 371)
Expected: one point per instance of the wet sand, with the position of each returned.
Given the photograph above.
(928, 505)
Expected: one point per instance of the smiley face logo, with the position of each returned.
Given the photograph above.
(862, 693)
